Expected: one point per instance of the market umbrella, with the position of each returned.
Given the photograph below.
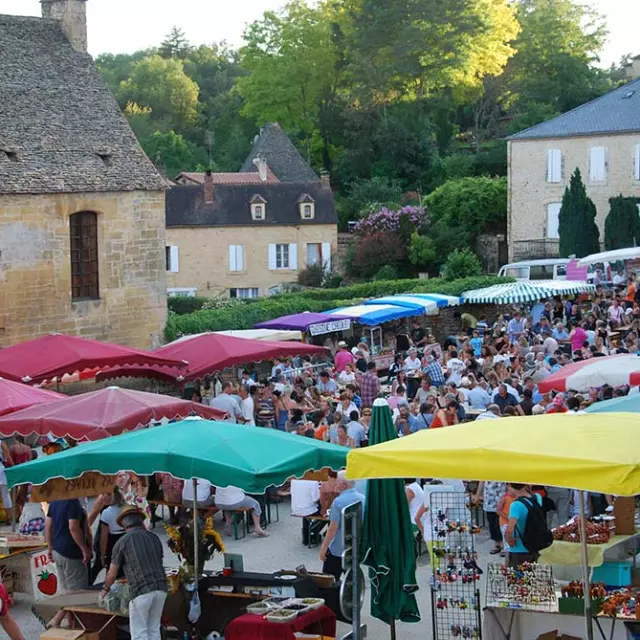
(580, 451)
(99, 414)
(211, 352)
(16, 395)
(250, 458)
(305, 321)
(387, 538)
(630, 403)
(54, 355)
(614, 370)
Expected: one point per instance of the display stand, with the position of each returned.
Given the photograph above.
(455, 597)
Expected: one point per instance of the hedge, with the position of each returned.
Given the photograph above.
(247, 313)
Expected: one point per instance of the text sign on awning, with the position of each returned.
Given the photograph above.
(329, 327)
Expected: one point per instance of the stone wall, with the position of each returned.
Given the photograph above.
(529, 193)
(35, 271)
(203, 256)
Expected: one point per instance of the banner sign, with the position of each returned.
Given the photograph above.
(87, 485)
(329, 327)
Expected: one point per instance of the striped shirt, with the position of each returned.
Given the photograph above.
(139, 554)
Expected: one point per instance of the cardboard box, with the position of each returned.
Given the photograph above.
(69, 634)
(624, 513)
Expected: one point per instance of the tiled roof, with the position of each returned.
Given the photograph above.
(283, 158)
(225, 178)
(185, 206)
(615, 112)
(61, 130)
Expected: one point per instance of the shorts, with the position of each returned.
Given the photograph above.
(72, 573)
(4, 601)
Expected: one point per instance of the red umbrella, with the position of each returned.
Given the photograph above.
(102, 413)
(614, 370)
(54, 355)
(210, 352)
(15, 396)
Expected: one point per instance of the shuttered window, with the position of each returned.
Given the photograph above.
(236, 257)
(554, 165)
(598, 164)
(553, 219)
(83, 227)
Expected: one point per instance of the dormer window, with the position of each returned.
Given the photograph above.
(258, 207)
(307, 207)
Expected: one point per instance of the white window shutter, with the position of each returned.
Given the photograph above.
(636, 163)
(598, 168)
(173, 256)
(293, 256)
(553, 219)
(232, 257)
(240, 257)
(272, 257)
(326, 255)
(554, 165)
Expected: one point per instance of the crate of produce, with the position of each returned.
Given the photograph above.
(614, 574)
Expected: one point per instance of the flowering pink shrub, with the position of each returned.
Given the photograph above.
(387, 221)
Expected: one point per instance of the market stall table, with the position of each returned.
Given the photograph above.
(568, 553)
(321, 621)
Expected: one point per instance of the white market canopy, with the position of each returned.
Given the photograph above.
(276, 335)
(375, 314)
(630, 253)
(528, 291)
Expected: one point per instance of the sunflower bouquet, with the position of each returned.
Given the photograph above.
(180, 541)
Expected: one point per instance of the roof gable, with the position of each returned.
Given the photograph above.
(188, 177)
(274, 145)
(185, 206)
(615, 112)
(59, 120)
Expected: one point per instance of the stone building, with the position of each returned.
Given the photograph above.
(244, 234)
(82, 238)
(601, 138)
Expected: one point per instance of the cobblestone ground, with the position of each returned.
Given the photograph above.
(283, 549)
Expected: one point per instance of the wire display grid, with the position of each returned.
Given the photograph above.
(455, 596)
(529, 586)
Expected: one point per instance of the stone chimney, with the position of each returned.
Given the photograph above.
(72, 15)
(209, 191)
(633, 68)
(325, 179)
(263, 167)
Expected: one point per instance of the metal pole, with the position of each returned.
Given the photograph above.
(14, 510)
(355, 567)
(196, 559)
(585, 569)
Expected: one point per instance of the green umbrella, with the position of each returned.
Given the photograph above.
(387, 538)
(250, 458)
(630, 404)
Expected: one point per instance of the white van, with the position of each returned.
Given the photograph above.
(547, 269)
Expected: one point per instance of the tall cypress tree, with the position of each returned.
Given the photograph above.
(579, 234)
(622, 226)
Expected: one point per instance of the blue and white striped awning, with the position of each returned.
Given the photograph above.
(374, 314)
(530, 291)
(440, 299)
(421, 306)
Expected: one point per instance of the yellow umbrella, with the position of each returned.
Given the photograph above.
(591, 452)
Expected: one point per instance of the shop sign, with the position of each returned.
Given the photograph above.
(329, 327)
(87, 485)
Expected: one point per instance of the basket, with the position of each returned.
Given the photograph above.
(277, 616)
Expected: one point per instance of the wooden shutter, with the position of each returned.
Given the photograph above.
(554, 165)
(293, 256)
(636, 164)
(174, 259)
(232, 258)
(597, 165)
(272, 257)
(553, 219)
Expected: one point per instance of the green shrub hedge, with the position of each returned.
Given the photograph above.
(184, 304)
(246, 313)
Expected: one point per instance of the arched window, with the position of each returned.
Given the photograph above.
(83, 227)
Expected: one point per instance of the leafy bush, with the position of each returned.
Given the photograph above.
(311, 276)
(386, 273)
(244, 314)
(462, 263)
(184, 304)
(422, 250)
(388, 221)
(332, 280)
(376, 250)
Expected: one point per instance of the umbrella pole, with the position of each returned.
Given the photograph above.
(585, 569)
(196, 559)
(392, 629)
(14, 509)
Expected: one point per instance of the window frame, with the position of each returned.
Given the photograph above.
(593, 179)
(236, 251)
(233, 293)
(84, 256)
(281, 250)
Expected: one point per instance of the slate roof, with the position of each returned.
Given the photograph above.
(185, 206)
(615, 112)
(225, 178)
(281, 156)
(57, 116)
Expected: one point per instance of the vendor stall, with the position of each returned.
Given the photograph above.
(315, 324)
(528, 291)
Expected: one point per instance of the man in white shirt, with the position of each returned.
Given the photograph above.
(248, 404)
(455, 369)
(204, 497)
(412, 364)
(550, 345)
(305, 502)
(478, 398)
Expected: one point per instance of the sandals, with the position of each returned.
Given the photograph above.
(260, 534)
(495, 551)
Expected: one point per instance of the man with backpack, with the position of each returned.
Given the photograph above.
(527, 532)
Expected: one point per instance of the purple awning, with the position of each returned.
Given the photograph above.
(314, 323)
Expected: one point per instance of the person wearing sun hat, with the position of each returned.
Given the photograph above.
(139, 554)
(343, 357)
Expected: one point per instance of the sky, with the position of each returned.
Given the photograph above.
(124, 26)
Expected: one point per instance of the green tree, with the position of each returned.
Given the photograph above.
(461, 263)
(164, 87)
(172, 153)
(175, 45)
(622, 225)
(579, 234)
(422, 251)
